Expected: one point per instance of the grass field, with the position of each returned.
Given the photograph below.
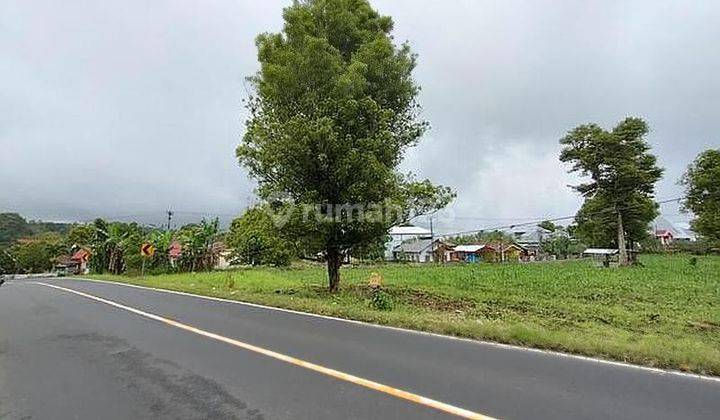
(664, 314)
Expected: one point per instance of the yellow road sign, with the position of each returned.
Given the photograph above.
(147, 250)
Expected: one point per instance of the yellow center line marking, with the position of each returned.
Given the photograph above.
(395, 392)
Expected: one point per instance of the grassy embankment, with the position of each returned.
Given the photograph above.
(665, 314)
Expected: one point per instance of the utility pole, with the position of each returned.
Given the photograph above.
(169, 215)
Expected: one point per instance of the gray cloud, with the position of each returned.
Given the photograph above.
(125, 108)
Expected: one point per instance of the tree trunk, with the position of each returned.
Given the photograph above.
(333, 263)
(622, 248)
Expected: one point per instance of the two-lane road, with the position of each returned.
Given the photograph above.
(88, 350)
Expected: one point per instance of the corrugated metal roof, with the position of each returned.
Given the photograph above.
(408, 230)
(600, 251)
(470, 248)
(413, 246)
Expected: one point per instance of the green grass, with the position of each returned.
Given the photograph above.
(664, 314)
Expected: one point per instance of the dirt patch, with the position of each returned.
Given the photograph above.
(418, 298)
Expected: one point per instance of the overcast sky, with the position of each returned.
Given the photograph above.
(123, 108)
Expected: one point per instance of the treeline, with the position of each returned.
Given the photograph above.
(13, 227)
(114, 247)
(30, 246)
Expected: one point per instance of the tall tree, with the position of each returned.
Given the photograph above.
(333, 112)
(622, 174)
(702, 193)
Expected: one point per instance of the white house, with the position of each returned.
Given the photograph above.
(398, 234)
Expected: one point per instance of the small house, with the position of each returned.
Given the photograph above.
(77, 263)
(668, 232)
(604, 256)
(64, 264)
(399, 234)
(473, 253)
(665, 236)
(422, 250)
(508, 252)
(82, 257)
(531, 238)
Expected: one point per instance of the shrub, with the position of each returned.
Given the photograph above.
(380, 300)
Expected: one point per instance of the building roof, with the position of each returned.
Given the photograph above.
(532, 234)
(506, 246)
(417, 245)
(600, 251)
(413, 246)
(471, 248)
(65, 260)
(409, 230)
(662, 224)
(81, 254)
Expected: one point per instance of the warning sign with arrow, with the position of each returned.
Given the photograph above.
(147, 250)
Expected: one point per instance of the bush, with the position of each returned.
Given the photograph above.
(699, 247)
(380, 300)
(652, 246)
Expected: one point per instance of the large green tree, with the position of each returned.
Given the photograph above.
(702, 193)
(333, 112)
(622, 175)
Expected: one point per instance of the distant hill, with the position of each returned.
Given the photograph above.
(13, 227)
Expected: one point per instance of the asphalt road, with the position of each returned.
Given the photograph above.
(67, 356)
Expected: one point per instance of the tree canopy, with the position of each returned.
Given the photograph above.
(702, 193)
(548, 225)
(622, 175)
(333, 112)
(255, 240)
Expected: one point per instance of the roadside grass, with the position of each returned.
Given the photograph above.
(663, 314)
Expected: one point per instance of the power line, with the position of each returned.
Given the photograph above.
(536, 221)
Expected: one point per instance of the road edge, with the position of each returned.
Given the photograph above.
(654, 370)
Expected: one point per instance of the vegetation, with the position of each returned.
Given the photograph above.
(618, 196)
(197, 242)
(562, 246)
(114, 247)
(702, 194)
(255, 240)
(334, 112)
(664, 313)
(29, 247)
(36, 254)
(548, 225)
(14, 227)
